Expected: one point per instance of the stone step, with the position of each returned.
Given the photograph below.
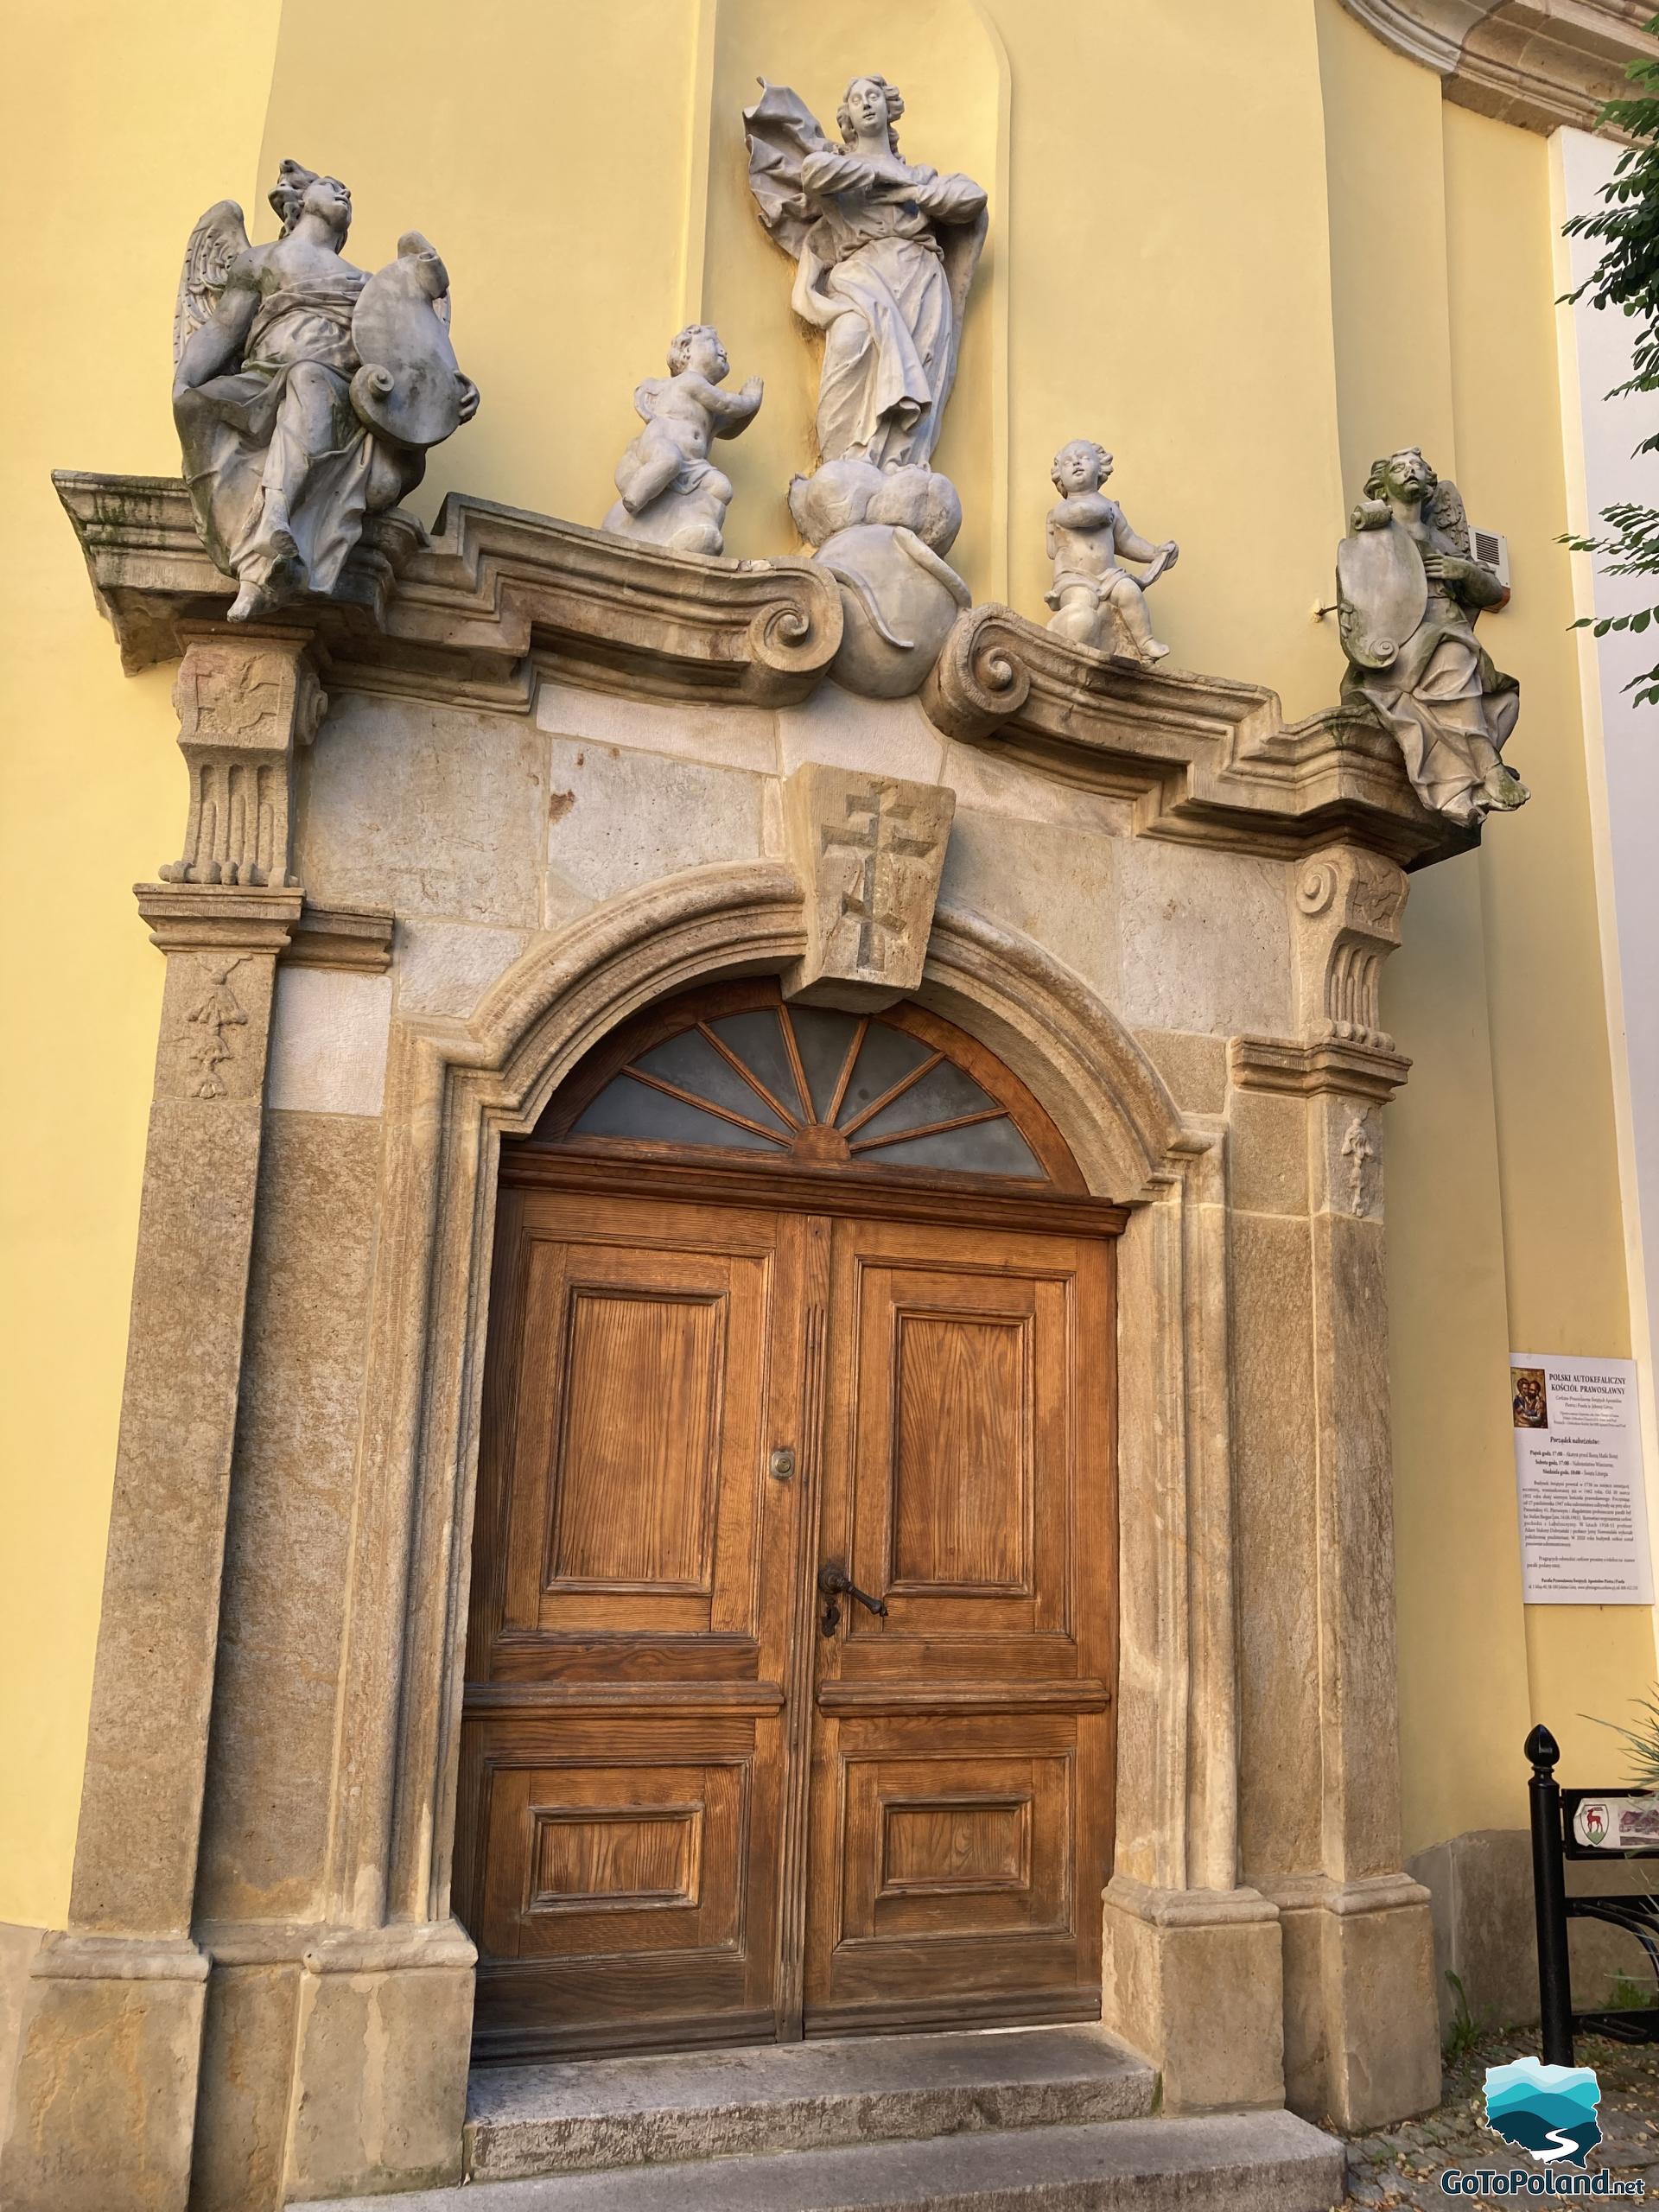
(804, 2096)
(1250, 2162)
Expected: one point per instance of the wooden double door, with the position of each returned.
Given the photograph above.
(706, 1796)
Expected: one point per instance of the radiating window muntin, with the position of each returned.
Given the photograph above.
(808, 1085)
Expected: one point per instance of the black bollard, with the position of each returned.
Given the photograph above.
(1549, 1900)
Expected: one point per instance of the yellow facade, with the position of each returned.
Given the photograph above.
(1247, 249)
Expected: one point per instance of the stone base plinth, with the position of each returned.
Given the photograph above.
(1361, 2029)
(103, 2103)
(1191, 1979)
(379, 2093)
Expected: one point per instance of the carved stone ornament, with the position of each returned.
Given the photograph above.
(1098, 602)
(1538, 63)
(243, 708)
(306, 391)
(870, 850)
(671, 493)
(1359, 1151)
(883, 535)
(1350, 902)
(1409, 592)
(461, 616)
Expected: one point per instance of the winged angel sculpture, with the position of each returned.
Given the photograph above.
(884, 253)
(306, 391)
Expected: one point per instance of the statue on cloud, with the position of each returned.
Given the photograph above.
(1409, 594)
(884, 253)
(306, 391)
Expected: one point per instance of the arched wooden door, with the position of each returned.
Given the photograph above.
(785, 1298)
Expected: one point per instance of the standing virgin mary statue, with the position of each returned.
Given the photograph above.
(884, 253)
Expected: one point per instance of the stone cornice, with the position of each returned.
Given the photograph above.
(469, 616)
(1538, 63)
(1201, 759)
(464, 615)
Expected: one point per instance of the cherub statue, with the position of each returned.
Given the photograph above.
(1409, 594)
(1097, 602)
(672, 493)
(306, 391)
(884, 253)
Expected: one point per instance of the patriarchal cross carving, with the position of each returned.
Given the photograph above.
(881, 827)
(870, 851)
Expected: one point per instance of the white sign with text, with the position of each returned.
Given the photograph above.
(1578, 1462)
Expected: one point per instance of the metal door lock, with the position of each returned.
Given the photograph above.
(781, 1466)
(836, 1583)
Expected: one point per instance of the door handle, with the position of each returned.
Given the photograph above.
(836, 1583)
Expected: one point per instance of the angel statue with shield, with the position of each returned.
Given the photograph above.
(306, 391)
(1409, 592)
(884, 253)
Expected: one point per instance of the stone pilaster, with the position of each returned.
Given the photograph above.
(107, 2069)
(1362, 2044)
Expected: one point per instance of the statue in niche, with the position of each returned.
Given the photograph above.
(1098, 602)
(885, 251)
(1409, 594)
(306, 391)
(671, 493)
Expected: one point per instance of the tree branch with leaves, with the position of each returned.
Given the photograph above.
(1626, 277)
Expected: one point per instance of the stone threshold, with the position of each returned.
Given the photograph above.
(1254, 2162)
(802, 2096)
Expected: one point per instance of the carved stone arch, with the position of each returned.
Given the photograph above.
(455, 1089)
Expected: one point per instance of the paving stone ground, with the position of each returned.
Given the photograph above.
(1401, 2166)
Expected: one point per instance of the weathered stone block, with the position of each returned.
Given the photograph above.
(247, 2055)
(380, 2081)
(1361, 2031)
(103, 2104)
(870, 850)
(1192, 1979)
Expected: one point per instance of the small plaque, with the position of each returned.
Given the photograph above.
(1617, 1823)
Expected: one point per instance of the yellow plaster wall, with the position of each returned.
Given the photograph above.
(1458, 1584)
(1557, 1156)
(127, 123)
(1248, 261)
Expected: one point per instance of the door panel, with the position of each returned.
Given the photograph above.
(963, 1770)
(623, 1738)
(686, 1813)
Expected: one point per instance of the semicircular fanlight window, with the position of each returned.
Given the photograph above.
(813, 1086)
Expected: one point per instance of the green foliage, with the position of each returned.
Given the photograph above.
(1626, 1994)
(1465, 2033)
(1641, 1742)
(1626, 278)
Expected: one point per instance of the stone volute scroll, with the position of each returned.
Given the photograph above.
(1096, 600)
(885, 251)
(1409, 593)
(669, 492)
(307, 392)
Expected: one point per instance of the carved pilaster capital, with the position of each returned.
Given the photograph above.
(245, 701)
(870, 852)
(1349, 902)
(1350, 1071)
(213, 918)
